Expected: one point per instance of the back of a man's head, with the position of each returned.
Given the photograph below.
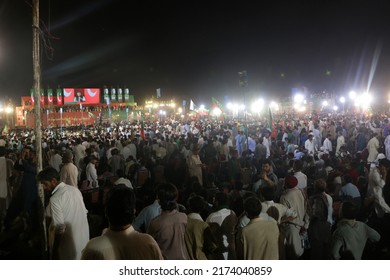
(252, 207)
(349, 210)
(167, 195)
(48, 174)
(120, 205)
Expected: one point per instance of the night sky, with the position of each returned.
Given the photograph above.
(194, 49)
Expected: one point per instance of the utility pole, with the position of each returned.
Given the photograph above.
(243, 82)
(37, 106)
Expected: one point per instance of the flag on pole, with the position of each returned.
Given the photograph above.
(50, 96)
(215, 103)
(6, 128)
(271, 125)
(142, 131)
(158, 92)
(192, 105)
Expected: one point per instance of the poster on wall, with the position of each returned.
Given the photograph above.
(81, 95)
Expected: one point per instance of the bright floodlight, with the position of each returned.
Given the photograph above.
(342, 99)
(180, 110)
(201, 107)
(298, 98)
(324, 103)
(229, 106)
(335, 108)
(273, 105)
(365, 100)
(216, 112)
(257, 106)
(352, 94)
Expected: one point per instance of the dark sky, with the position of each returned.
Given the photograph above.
(194, 49)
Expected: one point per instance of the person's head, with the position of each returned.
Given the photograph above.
(268, 193)
(92, 159)
(252, 207)
(349, 210)
(114, 152)
(49, 178)
(290, 182)
(298, 165)
(167, 196)
(347, 179)
(221, 200)
(196, 204)
(119, 206)
(67, 157)
(319, 186)
(266, 165)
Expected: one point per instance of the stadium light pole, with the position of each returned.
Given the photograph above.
(61, 119)
(342, 100)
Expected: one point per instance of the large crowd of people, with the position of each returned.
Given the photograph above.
(297, 187)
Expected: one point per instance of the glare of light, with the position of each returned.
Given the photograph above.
(229, 106)
(352, 94)
(201, 107)
(324, 103)
(342, 99)
(274, 105)
(242, 107)
(335, 108)
(173, 105)
(298, 98)
(302, 109)
(216, 112)
(296, 106)
(1, 109)
(180, 110)
(365, 100)
(162, 112)
(257, 106)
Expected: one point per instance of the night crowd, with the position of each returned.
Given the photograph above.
(297, 187)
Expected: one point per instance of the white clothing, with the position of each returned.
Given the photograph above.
(69, 218)
(310, 147)
(284, 211)
(372, 146)
(124, 181)
(340, 143)
(267, 144)
(387, 146)
(92, 175)
(327, 145)
(69, 174)
(375, 189)
(55, 161)
(194, 167)
(302, 180)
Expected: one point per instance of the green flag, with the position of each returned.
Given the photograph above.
(216, 103)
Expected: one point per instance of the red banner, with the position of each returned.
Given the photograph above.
(53, 119)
